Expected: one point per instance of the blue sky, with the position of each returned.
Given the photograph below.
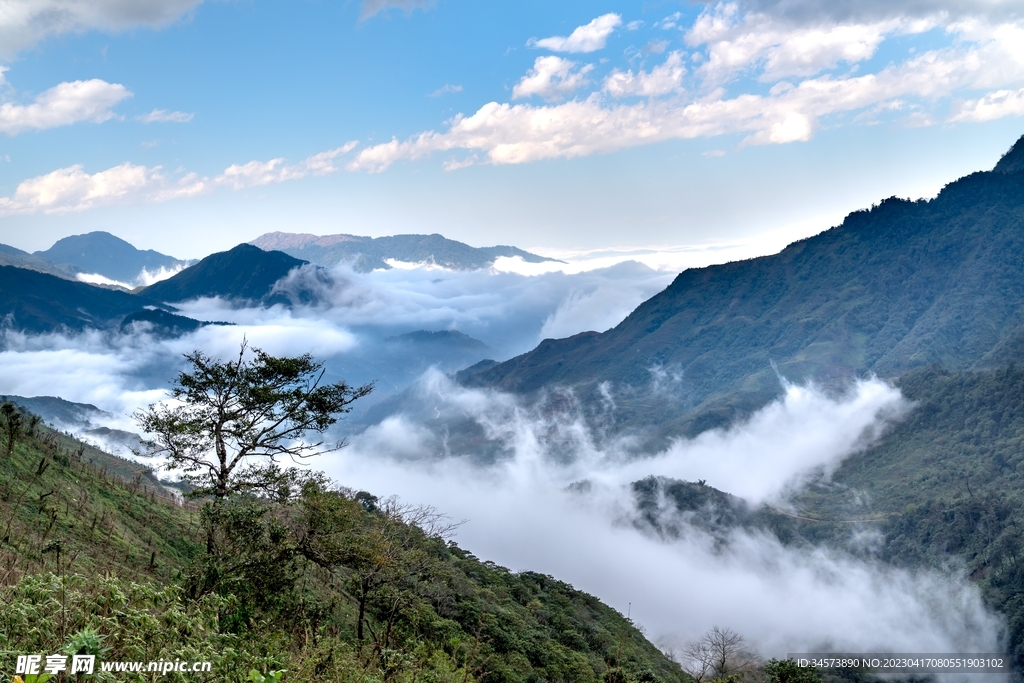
(188, 125)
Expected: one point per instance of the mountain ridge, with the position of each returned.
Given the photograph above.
(371, 253)
(105, 254)
(901, 285)
(243, 272)
(39, 302)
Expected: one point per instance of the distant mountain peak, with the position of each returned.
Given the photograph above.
(371, 253)
(1013, 160)
(243, 272)
(108, 255)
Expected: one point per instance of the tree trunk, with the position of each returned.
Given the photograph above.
(362, 610)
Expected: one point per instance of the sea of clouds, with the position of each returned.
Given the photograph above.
(524, 512)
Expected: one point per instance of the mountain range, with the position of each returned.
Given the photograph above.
(902, 285)
(369, 253)
(928, 294)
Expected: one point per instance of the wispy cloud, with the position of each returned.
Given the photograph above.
(72, 189)
(372, 7)
(445, 89)
(661, 80)
(525, 514)
(63, 105)
(164, 116)
(995, 105)
(256, 173)
(587, 38)
(735, 43)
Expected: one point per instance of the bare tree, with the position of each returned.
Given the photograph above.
(720, 654)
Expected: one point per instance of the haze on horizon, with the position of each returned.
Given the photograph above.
(558, 128)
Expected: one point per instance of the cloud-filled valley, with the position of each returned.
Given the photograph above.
(355, 313)
(557, 503)
(555, 495)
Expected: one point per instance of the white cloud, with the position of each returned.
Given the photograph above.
(63, 105)
(72, 189)
(25, 22)
(661, 80)
(985, 58)
(523, 517)
(669, 22)
(736, 42)
(552, 78)
(164, 116)
(994, 105)
(256, 173)
(587, 38)
(372, 7)
(97, 279)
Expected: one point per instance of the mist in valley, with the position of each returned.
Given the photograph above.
(555, 495)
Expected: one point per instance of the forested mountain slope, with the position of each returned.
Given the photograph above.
(244, 272)
(902, 285)
(32, 301)
(96, 557)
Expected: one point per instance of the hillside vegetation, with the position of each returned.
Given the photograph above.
(943, 489)
(946, 484)
(94, 562)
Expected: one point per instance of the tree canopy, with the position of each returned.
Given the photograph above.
(230, 421)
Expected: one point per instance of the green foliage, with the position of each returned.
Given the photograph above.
(285, 592)
(231, 414)
(11, 424)
(787, 671)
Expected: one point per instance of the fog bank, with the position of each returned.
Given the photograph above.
(782, 599)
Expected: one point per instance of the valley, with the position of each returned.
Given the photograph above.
(846, 408)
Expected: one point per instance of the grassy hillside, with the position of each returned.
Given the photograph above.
(96, 562)
(900, 286)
